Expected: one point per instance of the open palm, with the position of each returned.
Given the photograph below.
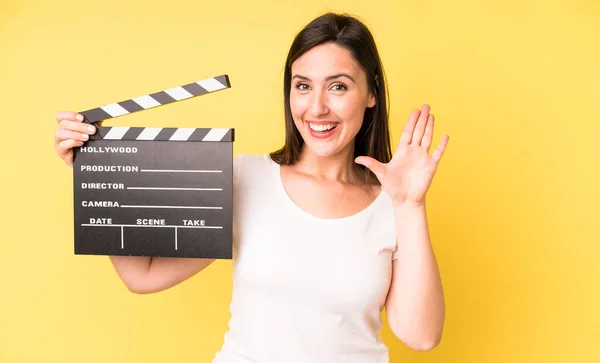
(408, 176)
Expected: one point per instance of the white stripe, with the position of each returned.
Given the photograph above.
(146, 226)
(161, 188)
(114, 109)
(182, 134)
(149, 133)
(146, 101)
(116, 133)
(215, 135)
(180, 171)
(168, 207)
(178, 93)
(211, 84)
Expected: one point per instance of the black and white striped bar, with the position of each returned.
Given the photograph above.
(164, 134)
(156, 99)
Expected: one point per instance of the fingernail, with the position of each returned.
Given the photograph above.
(85, 136)
(79, 117)
(91, 128)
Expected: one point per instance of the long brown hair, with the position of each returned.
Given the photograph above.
(373, 139)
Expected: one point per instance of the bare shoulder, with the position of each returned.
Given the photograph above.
(246, 165)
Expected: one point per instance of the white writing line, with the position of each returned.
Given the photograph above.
(157, 188)
(168, 207)
(146, 226)
(180, 171)
(175, 238)
(122, 245)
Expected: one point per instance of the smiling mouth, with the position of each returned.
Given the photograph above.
(322, 127)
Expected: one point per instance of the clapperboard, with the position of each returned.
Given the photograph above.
(160, 192)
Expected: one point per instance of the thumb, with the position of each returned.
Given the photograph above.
(375, 166)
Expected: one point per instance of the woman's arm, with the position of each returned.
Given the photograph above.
(144, 275)
(415, 304)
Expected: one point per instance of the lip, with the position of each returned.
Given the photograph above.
(322, 135)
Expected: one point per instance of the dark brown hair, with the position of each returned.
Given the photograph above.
(373, 139)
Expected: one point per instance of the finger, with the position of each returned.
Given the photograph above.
(77, 127)
(64, 147)
(62, 135)
(68, 115)
(426, 142)
(421, 124)
(409, 127)
(439, 151)
(375, 166)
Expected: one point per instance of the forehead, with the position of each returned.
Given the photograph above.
(325, 60)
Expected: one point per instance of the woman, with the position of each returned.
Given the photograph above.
(328, 230)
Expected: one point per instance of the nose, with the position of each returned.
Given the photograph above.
(318, 104)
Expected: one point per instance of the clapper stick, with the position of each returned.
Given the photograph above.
(156, 99)
(155, 191)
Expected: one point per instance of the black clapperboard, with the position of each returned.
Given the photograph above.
(159, 192)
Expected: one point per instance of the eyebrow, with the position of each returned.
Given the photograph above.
(335, 76)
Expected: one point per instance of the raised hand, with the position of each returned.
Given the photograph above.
(408, 176)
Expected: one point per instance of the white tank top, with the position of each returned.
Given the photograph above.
(305, 289)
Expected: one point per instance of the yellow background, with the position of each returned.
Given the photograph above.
(513, 209)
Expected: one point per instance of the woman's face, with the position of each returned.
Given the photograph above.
(328, 98)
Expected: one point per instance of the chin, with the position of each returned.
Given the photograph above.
(322, 149)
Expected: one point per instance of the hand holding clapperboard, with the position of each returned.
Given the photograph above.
(159, 192)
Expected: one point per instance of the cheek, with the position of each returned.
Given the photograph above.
(350, 110)
(297, 107)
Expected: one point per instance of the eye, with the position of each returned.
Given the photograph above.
(302, 86)
(339, 87)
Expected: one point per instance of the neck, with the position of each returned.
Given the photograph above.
(339, 167)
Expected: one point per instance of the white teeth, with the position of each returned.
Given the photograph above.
(321, 127)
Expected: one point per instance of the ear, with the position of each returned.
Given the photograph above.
(372, 101)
